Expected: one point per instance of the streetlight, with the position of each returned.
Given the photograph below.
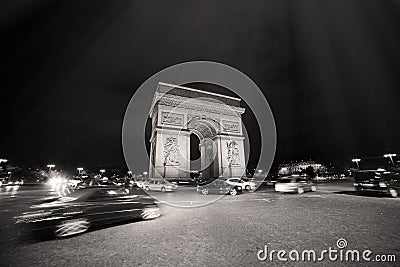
(79, 169)
(3, 161)
(391, 158)
(144, 174)
(356, 161)
(102, 171)
(50, 166)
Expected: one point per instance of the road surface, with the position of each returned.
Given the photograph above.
(231, 231)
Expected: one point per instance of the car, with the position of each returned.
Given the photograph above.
(379, 181)
(97, 182)
(247, 185)
(74, 183)
(104, 182)
(4, 181)
(140, 183)
(19, 182)
(84, 208)
(218, 187)
(159, 185)
(9, 182)
(123, 181)
(294, 184)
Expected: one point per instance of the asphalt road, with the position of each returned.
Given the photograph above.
(230, 231)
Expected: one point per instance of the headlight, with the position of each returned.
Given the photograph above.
(382, 184)
(355, 184)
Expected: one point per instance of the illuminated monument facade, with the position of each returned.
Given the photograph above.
(176, 113)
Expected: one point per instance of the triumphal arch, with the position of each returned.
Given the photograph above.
(176, 113)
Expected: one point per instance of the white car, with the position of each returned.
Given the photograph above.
(159, 185)
(247, 185)
(140, 183)
(74, 182)
(294, 184)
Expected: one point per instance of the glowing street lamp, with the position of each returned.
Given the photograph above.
(79, 169)
(145, 173)
(357, 162)
(391, 158)
(50, 166)
(102, 171)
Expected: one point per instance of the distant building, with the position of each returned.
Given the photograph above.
(298, 167)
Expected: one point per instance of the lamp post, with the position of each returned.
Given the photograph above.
(50, 166)
(80, 169)
(102, 171)
(391, 158)
(1, 163)
(357, 162)
(144, 174)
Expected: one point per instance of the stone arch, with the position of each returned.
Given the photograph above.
(203, 127)
(215, 119)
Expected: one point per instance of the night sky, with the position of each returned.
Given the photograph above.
(330, 71)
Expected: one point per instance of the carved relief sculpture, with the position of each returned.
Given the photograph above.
(233, 153)
(230, 126)
(172, 119)
(171, 149)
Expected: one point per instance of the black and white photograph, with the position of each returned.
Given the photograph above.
(200, 133)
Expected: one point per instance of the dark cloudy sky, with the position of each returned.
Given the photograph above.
(329, 69)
